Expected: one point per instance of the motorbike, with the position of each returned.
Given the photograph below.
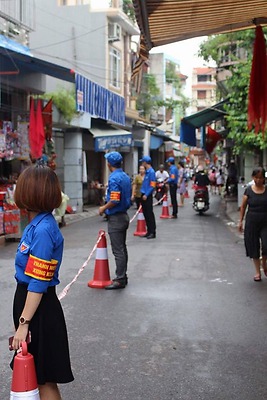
(201, 199)
(160, 190)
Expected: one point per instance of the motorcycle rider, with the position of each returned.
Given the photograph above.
(162, 177)
(202, 181)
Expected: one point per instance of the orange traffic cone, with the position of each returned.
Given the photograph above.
(165, 208)
(24, 381)
(141, 224)
(101, 277)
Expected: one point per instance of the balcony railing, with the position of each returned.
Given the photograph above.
(21, 13)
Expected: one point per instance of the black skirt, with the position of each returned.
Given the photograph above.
(49, 341)
(255, 234)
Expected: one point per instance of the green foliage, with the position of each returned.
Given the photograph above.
(128, 9)
(172, 76)
(238, 87)
(65, 102)
(148, 97)
(172, 104)
(238, 84)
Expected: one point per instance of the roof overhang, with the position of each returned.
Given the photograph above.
(16, 58)
(208, 115)
(168, 21)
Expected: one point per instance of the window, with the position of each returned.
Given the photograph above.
(201, 94)
(204, 78)
(114, 67)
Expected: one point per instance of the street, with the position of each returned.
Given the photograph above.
(190, 325)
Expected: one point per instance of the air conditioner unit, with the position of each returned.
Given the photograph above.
(114, 32)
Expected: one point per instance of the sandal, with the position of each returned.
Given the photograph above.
(257, 278)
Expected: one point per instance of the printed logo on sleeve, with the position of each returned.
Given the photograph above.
(24, 247)
(40, 269)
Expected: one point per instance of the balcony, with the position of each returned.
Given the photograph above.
(20, 13)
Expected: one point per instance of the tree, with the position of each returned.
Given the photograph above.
(147, 99)
(238, 86)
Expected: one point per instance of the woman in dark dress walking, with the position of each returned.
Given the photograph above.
(255, 234)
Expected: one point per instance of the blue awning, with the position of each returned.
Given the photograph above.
(16, 58)
(155, 142)
(188, 134)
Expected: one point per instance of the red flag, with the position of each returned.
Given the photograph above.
(39, 129)
(48, 119)
(32, 131)
(212, 138)
(257, 96)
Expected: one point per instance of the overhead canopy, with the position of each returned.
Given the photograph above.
(200, 119)
(203, 117)
(167, 21)
(106, 139)
(16, 58)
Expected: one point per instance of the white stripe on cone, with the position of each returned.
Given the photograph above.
(31, 395)
(101, 253)
(141, 217)
(165, 203)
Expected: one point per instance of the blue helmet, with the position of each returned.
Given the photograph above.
(146, 159)
(170, 160)
(114, 158)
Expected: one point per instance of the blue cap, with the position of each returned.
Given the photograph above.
(146, 159)
(114, 158)
(170, 159)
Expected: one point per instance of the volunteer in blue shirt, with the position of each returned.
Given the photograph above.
(36, 307)
(147, 189)
(172, 181)
(118, 201)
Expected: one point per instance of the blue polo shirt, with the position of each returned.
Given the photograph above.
(39, 254)
(149, 182)
(119, 191)
(173, 172)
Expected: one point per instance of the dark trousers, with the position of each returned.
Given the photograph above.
(173, 194)
(117, 230)
(147, 206)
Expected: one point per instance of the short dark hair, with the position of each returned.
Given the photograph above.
(258, 170)
(38, 189)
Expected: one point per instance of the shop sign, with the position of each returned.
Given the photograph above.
(113, 142)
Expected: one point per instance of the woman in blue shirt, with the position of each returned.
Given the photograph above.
(36, 307)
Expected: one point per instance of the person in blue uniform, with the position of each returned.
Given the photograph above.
(147, 189)
(118, 201)
(172, 181)
(36, 307)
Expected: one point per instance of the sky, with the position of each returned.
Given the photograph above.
(185, 52)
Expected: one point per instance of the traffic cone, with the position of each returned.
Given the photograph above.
(141, 224)
(101, 277)
(165, 208)
(24, 381)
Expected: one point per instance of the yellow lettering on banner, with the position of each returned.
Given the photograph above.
(39, 269)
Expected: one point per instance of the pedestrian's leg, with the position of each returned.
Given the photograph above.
(145, 212)
(49, 391)
(150, 217)
(173, 194)
(119, 250)
(257, 264)
(181, 200)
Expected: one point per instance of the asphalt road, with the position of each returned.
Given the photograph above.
(191, 324)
